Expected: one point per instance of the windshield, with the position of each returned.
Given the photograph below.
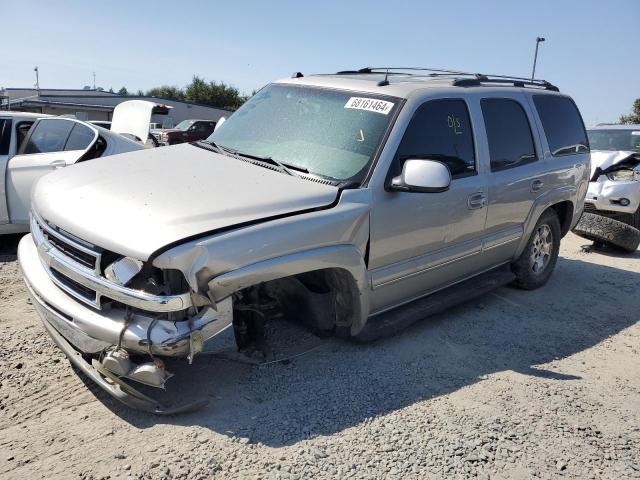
(184, 125)
(326, 132)
(628, 140)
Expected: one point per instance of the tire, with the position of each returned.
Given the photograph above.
(608, 231)
(632, 219)
(538, 259)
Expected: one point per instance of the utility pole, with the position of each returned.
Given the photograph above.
(94, 80)
(535, 57)
(37, 80)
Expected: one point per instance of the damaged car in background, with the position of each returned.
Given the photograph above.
(355, 203)
(612, 204)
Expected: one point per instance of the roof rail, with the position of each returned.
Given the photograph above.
(474, 79)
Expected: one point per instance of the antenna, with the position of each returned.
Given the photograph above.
(385, 82)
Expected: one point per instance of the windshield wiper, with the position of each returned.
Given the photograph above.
(286, 168)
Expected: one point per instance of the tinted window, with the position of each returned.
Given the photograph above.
(48, 136)
(5, 136)
(440, 130)
(562, 124)
(80, 138)
(508, 133)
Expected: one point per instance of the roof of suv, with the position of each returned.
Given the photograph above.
(402, 82)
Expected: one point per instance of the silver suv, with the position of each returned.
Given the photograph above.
(349, 202)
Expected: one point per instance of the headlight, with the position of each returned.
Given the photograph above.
(624, 175)
(123, 270)
(164, 136)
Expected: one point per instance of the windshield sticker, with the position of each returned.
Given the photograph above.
(369, 105)
(635, 133)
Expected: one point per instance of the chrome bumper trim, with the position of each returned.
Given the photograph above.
(92, 331)
(53, 258)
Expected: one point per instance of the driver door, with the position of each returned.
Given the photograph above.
(52, 143)
(421, 242)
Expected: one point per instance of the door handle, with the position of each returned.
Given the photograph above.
(58, 164)
(476, 200)
(536, 185)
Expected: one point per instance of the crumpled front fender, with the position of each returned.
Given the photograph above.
(343, 257)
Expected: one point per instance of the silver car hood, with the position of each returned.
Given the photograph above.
(137, 203)
(603, 159)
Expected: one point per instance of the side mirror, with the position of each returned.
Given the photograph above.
(220, 121)
(426, 176)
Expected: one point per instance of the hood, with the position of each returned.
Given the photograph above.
(139, 202)
(132, 117)
(603, 159)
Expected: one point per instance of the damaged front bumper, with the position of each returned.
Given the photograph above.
(613, 196)
(81, 331)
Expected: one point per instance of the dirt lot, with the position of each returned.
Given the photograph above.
(516, 385)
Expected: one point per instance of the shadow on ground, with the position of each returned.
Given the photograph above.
(341, 384)
(9, 247)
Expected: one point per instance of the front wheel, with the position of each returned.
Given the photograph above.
(538, 259)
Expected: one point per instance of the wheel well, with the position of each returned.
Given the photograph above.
(564, 210)
(325, 300)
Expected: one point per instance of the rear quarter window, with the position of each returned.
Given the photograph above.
(562, 124)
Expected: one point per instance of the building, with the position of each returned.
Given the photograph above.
(99, 104)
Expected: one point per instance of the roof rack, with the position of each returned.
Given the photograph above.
(471, 80)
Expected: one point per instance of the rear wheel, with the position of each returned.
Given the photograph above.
(606, 230)
(536, 263)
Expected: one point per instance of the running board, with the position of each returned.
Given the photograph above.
(390, 323)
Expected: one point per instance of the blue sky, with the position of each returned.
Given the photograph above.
(591, 50)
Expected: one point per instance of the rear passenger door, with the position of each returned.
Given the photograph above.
(52, 143)
(515, 179)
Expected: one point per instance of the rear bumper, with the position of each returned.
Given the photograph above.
(91, 331)
(605, 194)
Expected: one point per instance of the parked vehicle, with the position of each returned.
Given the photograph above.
(50, 143)
(185, 131)
(355, 202)
(612, 205)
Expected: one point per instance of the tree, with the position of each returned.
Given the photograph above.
(634, 117)
(123, 91)
(215, 94)
(110, 90)
(166, 91)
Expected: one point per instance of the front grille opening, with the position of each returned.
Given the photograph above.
(78, 255)
(76, 287)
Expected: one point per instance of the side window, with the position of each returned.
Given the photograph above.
(562, 124)
(48, 136)
(440, 130)
(508, 133)
(80, 138)
(5, 135)
(22, 129)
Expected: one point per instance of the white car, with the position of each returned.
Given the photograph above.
(612, 204)
(32, 145)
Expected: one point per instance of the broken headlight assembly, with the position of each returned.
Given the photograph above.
(624, 175)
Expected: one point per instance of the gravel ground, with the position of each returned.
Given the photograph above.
(542, 384)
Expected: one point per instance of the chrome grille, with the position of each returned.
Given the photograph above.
(74, 266)
(84, 255)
